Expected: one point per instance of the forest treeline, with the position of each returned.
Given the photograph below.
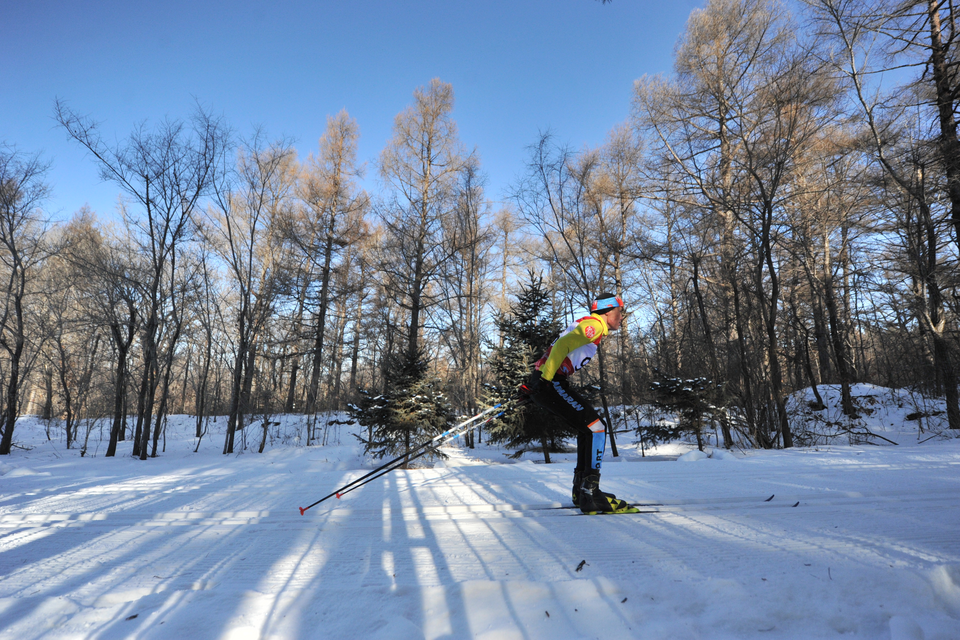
(782, 211)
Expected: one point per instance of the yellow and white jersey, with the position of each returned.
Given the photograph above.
(575, 347)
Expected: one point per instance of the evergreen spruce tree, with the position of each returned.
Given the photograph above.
(527, 330)
(411, 410)
(694, 400)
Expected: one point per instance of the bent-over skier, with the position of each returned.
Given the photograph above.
(548, 387)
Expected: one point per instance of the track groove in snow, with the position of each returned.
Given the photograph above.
(897, 501)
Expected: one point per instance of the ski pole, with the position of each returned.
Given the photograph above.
(350, 485)
(384, 467)
(400, 461)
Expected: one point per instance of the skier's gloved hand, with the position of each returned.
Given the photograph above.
(532, 385)
(523, 393)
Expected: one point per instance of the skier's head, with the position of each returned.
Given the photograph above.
(605, 302)
(610, 306)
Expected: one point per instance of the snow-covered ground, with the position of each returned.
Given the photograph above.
(833, 541)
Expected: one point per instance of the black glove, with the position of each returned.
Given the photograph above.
(532, 385)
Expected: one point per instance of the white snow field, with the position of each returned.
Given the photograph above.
(856, 542)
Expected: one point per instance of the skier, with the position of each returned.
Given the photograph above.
(548, 387)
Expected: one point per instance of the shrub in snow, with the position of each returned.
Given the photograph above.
(411, 410)
(695, 401)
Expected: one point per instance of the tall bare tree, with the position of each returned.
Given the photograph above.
(420, 164)
(913, 33)
(746, 101)
(458, 317)
(623, 237)
(75, 327)
(112, 288)
(248, 214)
(560, 198)
(165, 172)
(332, 220)
(22, 228)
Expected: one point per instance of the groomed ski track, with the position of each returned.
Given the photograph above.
(460, 552)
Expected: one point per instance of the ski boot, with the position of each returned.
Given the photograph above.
(575, 492)
(592, 501)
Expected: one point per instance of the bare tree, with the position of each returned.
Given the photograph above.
(116, 275)
(332, 221)
(22, 230)
(747, 101)
(208, 301)
(560, 199)
(165, 172)
(420, 165)
(458, 317)
(247, 217)
(832, 210)
(74, 330)
(911, 33)
(553, 197)
(623, 238)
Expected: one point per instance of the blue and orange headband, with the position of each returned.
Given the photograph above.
(609, 302)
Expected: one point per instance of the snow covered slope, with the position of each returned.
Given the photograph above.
(856, 542)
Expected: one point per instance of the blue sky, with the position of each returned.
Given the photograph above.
(517, 67)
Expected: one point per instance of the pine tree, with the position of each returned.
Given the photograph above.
(694, 400)
(411, 410)
(527, 330)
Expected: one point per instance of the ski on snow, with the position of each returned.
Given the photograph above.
(635, 508)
